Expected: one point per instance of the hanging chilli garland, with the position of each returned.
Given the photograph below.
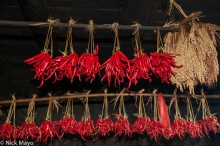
(117, 66)
(140, 66)
(162, 62)
(121, 125)
(48, 129)
(141, 124)
(104, 124)
(89, 62)
(28, 129)
(179, 124)
(209, 121)
(156, 128)
(9, 131)
(68, 124)
(43, 62)
(85, 127)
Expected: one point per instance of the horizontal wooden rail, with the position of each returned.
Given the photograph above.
(80, 26)
(96, 95)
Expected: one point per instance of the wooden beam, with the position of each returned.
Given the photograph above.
(79, 26)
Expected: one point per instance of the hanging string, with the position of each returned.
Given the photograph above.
(175, 102)
(11, 111)
(172, 2)
(156, 115)
(69, 37)
(116, 46)
(52, 103)
(91, 44)
(105, 106)
(136, 34)
(160, 45)
(31, 110)
(49, 38)
(190, 112)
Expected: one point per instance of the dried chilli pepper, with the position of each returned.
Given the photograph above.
(104, 124)
(192, 126)
(117, 66)
(48, 129)
(140, 125)
(209, 122)
(85, 127)
(179, 124)
(28, 129)
(68, 125)
(9, 131)
(122, 127)
(140, 65)
(88, 62)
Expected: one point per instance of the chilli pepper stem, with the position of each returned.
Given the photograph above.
(31, 109)
(116, 47)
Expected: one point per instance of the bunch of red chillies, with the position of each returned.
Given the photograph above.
(47, 130)
(8, 132)
(194, 129)
(140, 68)
(88, 65)
(179, 128)
(210, 124)
(162, 64)
(67, 125)
(28, 130)
(122, 126)
(85, 129)
(42, 63)
(116, 68)
(104, 126)
(140, 125)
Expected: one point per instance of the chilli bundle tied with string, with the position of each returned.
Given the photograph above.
(89, 65)
(140, 66)
(85, 127)
(179, 124)
(43, 61)
(209, 121)
(65, 65)
(160, 125)
(122, 127)
(104, 124)
(140, 125)
(68, 125)
(162, 62)
(8, 131)
(48, 129)
(192, 126)
(117, 66)
(28, 129)
(196, 42)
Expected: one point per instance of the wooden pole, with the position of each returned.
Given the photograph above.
(79, 26)
(96, 95)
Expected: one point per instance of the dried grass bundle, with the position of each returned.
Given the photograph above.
(196, 43)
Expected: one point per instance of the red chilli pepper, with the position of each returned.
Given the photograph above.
(89, 65)
(140, 125)
(47, 130)
(116, 67)
(122, 126)
(85, 129)
(140, 68)
(104, 126)
(7, 131)
(28, 130)
(67, 126)
(162, 64)
(179, 128)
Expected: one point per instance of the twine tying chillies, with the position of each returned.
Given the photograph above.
(91, 44)
(11, 111)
